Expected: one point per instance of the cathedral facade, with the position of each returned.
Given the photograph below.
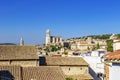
(52, 39)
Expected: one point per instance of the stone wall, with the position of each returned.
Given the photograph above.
(4, 62)
(106, 71)
(23, 63)
(116, 45)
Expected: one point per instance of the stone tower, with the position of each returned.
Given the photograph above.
(21, 42)
(48, 37)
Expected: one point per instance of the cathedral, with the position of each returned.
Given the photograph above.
(52, 39)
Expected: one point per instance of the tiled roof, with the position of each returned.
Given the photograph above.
(65, 61)
(10, 73)
(81, 77)
(43, 73)
(31, 73)
(113, 55)
(37, 73)
(18, 52)
(118, 39)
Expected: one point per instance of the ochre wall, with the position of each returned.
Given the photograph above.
(72, 70)
(21, 63)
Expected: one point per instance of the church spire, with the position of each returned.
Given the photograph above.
(21, 42)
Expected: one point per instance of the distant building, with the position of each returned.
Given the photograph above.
(88, 44)
(82, 44)
(113, 36)
(21, 42)
(96, 64)
(52, 39)
(73, 67)
(116, 44)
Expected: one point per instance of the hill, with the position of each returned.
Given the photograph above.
(103, 36)
(7, 44)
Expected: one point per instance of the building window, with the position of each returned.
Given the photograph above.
(80, 68)
(99, 74)
(69, 69)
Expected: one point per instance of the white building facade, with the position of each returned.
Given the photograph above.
(52, 39)
(116, 44)
(114, 71)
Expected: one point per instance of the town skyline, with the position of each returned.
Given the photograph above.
(30, 19)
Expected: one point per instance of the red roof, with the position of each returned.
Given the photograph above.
(118, 39)
(113, 55)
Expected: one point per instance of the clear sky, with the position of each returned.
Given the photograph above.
(67, 18)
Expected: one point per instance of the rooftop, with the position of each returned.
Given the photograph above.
(112, 56)
(10, 72)
(43, 73)
(31, 73)
(17, 52)
(65, 61)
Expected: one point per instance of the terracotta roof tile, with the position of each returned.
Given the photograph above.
(113, 55)
(43, 73)
(37, 73)
(31, 73)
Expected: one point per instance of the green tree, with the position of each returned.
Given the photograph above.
(47, 49)
(98, 46)
(52, 48)
(66, 53)
(118, 35)
(110, 45)
(68, 78)
(69, 47)
(93, 48)
(88, 48)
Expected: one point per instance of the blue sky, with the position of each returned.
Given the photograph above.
(67, 18)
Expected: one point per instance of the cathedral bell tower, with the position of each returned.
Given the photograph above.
(47, 37)
(21, 42)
